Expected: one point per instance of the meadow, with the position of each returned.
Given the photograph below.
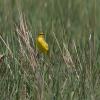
(72, 71)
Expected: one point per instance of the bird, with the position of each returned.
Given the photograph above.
(42, 45)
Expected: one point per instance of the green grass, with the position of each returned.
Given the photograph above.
(72, 72)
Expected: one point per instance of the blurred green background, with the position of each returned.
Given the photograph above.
(71, 29)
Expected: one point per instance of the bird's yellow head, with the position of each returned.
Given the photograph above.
(41, 34)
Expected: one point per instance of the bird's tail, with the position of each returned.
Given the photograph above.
(48, 53)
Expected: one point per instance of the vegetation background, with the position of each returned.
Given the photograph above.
(71, 27)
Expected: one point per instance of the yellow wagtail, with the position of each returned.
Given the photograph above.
(42, 44)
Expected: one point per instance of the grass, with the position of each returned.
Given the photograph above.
(72, 31)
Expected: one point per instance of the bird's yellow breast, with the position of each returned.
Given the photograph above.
(42, 45)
